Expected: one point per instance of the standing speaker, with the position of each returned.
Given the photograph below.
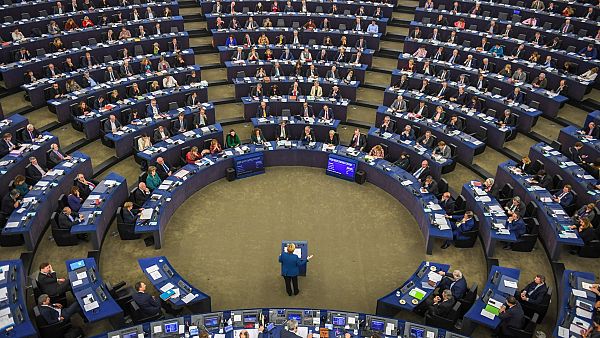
(360, 177)
(230, 174)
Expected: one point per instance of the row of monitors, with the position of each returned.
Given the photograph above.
(249, 319)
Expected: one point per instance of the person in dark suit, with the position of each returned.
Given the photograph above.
(35, 170)
(307, 110)
(447, 203)
(516, 225)
(163, 169)
(128, 214)
(426, 140)
(543, 179)
(515, 206)
(85, 187)
(112, 124)
(263, 110)
(455, 123)
(565, 197)
(402, 83)
(461, 225)
(332, 138)
(290, 269)
(358, 140)
(49, 283)
(430, 185)
(525, 165)
(591, 130)
(7, 144)
(10, 202)
(292, 330)
(408, 134)
(53, 313)
(456, 283)
(508, 119)
(534, 292)
(68, 218)
(586, 211)
(180, 125)
(110, 75)
(442, 306)
(141, 194)
(387, 126)
(403, 161)
(134, 91)
(422, 171)
(575, 153)
(161, 134)
(567, 27)
(308, 136)
(282, 132)
(30, 134)
(516, 96)
(326, 113)
(511, 315)
(56, 155)
(586, 232)
(149, 306)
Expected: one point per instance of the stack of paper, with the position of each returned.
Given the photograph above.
(153, 271)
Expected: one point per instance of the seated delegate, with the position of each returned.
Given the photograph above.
(461, 225)
(232, 140)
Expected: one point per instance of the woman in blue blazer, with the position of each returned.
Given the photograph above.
(74, 199)
(290, 268)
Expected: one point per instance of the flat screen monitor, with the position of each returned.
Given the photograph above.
(417, 332)
(377, 325)
(296, 316)
(76, 265)
(211, 322)
(341, 167)
(250, 318)
(133, 334)
(249, 165)
(172, 327)
(339, 320)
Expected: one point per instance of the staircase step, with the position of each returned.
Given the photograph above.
(393, 37)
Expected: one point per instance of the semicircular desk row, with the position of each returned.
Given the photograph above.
(321, 322)
(229, 324)
(191, 178)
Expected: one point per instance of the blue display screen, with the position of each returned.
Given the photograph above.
(377, 325)
(417, 332)
(248, 165)
(77, 265)
(249, 318)
(339, 320)
(211, 321)
(341, 167)
(172, 327)
(130, 335)
(295, 316)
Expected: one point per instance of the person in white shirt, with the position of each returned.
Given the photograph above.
(316, 90)
(170, 82)
(373, 28)
(305, 56)
(153, 110)
(17, 35)
(590, 75)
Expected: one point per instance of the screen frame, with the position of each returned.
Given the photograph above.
(343, 159)
(245, 157)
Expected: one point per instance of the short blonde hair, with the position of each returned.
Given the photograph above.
(291, 247)
(128, 205)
